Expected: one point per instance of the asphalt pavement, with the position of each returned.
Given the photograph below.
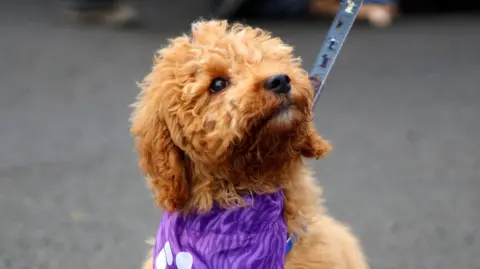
(402, 108)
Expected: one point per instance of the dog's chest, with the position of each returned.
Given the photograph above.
(244, 238)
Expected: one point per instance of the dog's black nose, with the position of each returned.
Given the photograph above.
(279, 83)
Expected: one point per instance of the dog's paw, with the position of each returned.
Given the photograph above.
(183, 260)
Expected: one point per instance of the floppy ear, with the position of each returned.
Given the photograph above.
(160, 160)
(315, 146)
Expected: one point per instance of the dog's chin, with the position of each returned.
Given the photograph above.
(284, 119)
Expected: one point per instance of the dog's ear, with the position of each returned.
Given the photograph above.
(315, 146)
(160, 159)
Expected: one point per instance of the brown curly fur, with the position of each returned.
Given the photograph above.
(197, 148)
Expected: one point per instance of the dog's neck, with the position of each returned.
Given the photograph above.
(262, 169)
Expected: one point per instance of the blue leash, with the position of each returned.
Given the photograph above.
(334, 40)
(329, 51)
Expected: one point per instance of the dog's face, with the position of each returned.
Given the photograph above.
(228, 97)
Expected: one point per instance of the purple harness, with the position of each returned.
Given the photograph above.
(248, 237)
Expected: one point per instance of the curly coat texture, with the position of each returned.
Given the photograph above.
(198, 148)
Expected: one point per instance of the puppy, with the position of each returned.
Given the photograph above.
(221, 126)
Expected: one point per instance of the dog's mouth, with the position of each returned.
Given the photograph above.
(283, 110)
(281, 106)
(281, 117)
(275, 121)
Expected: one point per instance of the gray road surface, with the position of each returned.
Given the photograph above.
(402, 108)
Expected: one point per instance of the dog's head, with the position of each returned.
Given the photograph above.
(229, 101)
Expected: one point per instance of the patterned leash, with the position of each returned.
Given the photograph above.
(336, 36)
(333, 43)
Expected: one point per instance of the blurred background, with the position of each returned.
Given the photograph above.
(401, 107)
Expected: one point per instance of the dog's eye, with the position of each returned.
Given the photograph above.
(218, 84)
